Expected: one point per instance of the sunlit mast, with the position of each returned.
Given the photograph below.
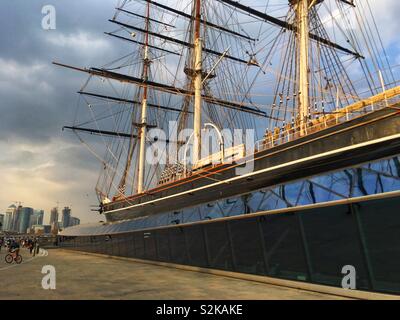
(143, 123)
(197, 83)
(302, 10)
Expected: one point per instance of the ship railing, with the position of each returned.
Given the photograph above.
(280, 136)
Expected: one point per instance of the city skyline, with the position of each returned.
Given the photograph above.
(47, 213)
(22, 219)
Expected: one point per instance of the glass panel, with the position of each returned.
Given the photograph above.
(96, 244)
(150, 245)
(107, 249)
(162, 245)
(333, 241)
(196, 246)
(123, 245)
(130, 245)
(218, 246)
(116, 243)
(381, 225)
(283, 247)
(139, 245)
(177, 246)
(247, 246)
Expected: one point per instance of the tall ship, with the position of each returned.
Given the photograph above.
(222, 109)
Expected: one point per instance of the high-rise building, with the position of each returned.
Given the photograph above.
(9, 218)
(54, 218)
(40, 216)
(74, 222)
(32, 220)
(17, 219)
(66, 217)
(25, 214)
(1, 221)
(53, 215)
(36, 218)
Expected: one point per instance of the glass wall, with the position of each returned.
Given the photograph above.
(310, 245)
(369, 179)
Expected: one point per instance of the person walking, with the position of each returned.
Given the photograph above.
(35, 247)
(30, 246)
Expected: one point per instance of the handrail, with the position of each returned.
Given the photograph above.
(279, 136)
(283, 136)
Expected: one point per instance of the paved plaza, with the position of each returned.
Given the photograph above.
(81, 276)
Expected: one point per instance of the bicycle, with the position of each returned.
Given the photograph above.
(12, 257)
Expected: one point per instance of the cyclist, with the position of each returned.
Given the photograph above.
(14, 248)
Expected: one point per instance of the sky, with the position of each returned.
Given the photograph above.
(40, 165)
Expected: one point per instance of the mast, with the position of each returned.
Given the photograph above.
(197, 83)
(142, 135)
(303, 42)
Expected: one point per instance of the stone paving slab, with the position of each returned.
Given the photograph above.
(81, 276)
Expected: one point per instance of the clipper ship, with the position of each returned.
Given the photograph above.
(311, 78)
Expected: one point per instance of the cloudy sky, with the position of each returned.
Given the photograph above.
(39, 164)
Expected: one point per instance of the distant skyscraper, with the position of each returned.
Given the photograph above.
(36, 218)
(66, 217)
(16, 218)
(24, 219)
(54, 218)
(40, 216)
(54, 215)
(8, 219)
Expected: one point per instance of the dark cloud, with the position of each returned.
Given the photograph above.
(38, 99)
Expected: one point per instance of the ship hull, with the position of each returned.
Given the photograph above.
(367, 138)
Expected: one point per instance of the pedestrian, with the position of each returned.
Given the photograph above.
(37, 247)
(30, 246)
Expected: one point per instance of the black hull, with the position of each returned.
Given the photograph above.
(371, 137)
